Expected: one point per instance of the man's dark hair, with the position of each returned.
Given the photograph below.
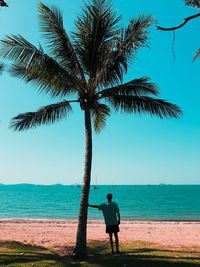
(109, 196)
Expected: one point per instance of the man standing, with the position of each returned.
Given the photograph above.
(111, 215)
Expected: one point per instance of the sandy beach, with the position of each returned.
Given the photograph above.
(58, 234)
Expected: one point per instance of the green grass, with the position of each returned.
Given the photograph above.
(138, 254)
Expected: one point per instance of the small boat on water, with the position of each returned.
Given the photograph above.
(77, 185)
(95, 185)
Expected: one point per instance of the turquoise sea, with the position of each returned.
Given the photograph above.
(156, 202)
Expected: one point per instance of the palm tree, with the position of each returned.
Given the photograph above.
(86, 68)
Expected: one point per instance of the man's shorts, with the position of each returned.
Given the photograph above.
(112, 229)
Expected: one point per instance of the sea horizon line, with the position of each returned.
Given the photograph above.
(79, 184)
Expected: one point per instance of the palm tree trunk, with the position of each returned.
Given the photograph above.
(80, 251)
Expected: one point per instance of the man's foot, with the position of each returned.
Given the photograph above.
(117, 252)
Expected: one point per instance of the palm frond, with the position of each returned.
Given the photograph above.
(32, 64)
(112, 67)
(19, 50)
(136, 87)
(46, 78)
(196, 55)
(45, 115)
(144, 104)
(1, 68)
(99, 114)
(126, 42)
(135, 35)
(3, 4)
(94, 29)
(193, 3)
(51, 24)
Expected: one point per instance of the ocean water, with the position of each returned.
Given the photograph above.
(148, 202)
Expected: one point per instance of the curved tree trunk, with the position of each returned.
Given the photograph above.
(80, 251)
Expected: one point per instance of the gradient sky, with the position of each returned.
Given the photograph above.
(132, 149)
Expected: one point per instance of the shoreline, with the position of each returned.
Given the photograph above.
(62, 233)
(97, 220)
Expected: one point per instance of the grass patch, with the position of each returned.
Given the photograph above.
(138, 254)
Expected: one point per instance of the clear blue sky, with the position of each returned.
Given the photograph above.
(131, 149)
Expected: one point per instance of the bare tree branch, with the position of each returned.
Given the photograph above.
(181, 25)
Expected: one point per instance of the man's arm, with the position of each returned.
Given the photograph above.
(118, 215)
(93, 206)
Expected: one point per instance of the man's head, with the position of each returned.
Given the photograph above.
(109, 197)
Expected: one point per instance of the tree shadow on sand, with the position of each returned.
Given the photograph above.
(18, 254)
(142, 257)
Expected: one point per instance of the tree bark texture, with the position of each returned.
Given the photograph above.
(80, 251)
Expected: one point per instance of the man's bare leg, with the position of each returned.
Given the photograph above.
(111, 242)
(117, 242)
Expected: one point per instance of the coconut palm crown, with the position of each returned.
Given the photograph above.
(86, 67)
